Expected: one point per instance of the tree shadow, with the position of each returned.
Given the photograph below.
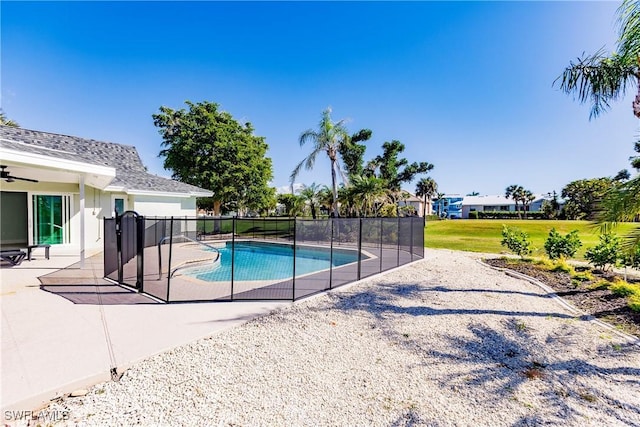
(501, 360)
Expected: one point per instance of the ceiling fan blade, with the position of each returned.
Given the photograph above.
(23, 179)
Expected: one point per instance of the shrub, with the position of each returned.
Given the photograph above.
(624, 289)
(509, 215)
(516, 241)
(473, 215)
(558, 246)
(605, 254)
(563, 266)
(583, 276)
(634, 303)
(601, 284)
(632, 259)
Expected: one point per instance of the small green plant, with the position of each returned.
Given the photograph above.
(605, 254)
(473, 215)
(632, 258)
(544, 263)
(600, 284)
(516, 241)
(624, 289)
(634, 303)
(563, 266)
(582, 276)
(559, 246)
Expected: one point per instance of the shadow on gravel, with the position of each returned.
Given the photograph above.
(499, 362)
(380, 304)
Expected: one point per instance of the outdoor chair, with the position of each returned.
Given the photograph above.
(13, 256)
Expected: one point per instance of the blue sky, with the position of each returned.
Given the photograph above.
(467, 86)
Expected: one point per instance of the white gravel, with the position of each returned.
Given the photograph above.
(445, 341)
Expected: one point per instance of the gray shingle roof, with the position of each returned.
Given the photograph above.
(130, 172)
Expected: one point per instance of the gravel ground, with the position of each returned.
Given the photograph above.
(445, 341)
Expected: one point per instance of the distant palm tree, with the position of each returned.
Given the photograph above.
(6, 121)
(311, 195)
(514, 192)
(602, 78)
(327, 138)
(369, 192)
(427, 188)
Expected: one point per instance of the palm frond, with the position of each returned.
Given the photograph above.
(598, 79)
(308, 135)
(628, 23)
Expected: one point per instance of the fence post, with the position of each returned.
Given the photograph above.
(411, 240)
(119, 247)
(381, 248)
(140, 229)
(293, 290)
(359, 247)
(398, 240)
(331, 256)
(170, 252)
(233, 250)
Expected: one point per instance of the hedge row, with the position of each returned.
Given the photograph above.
(505, 215)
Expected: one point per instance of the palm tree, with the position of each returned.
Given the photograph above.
(526, 197)
(602, 78)
(514, 192)
(6, 121)
(369, 192)
(427, 188)
(311, 195)
(327, 138)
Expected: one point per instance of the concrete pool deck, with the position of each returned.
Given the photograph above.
(55, 343)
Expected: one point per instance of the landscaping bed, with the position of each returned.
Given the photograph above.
(589, 296)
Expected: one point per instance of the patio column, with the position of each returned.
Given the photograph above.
(81, 220)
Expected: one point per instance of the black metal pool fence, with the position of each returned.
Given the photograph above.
(180, 259)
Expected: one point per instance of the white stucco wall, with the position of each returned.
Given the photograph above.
(164, 206)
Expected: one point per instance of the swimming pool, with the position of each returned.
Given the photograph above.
(273, 261)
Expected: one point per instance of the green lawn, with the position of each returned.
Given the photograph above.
(484, 235)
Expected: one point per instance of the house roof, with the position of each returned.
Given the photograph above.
(497, 200)
(130, 174)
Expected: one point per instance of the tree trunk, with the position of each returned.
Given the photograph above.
(217, 205)
(636, 101)
(424, 207)
(334, 183)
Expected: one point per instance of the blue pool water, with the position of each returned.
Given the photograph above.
(269, 261)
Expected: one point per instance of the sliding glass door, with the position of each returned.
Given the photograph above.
(51, 214)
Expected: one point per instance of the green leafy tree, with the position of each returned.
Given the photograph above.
(583, 196)
(327, 138)
(427, 188)
(5, 121)
(206, 147)
(352, 152)
(635, 160)
(601, 78)
(559, 246)
(517, 241)
(632, 258)
(293, 204)
(606, 253)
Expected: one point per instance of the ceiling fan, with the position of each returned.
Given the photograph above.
(9, 178)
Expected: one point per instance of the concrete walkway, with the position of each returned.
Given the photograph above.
(60, 337)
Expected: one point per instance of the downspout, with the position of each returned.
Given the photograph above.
(82, 221)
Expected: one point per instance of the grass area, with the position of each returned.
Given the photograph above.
(485, 235)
